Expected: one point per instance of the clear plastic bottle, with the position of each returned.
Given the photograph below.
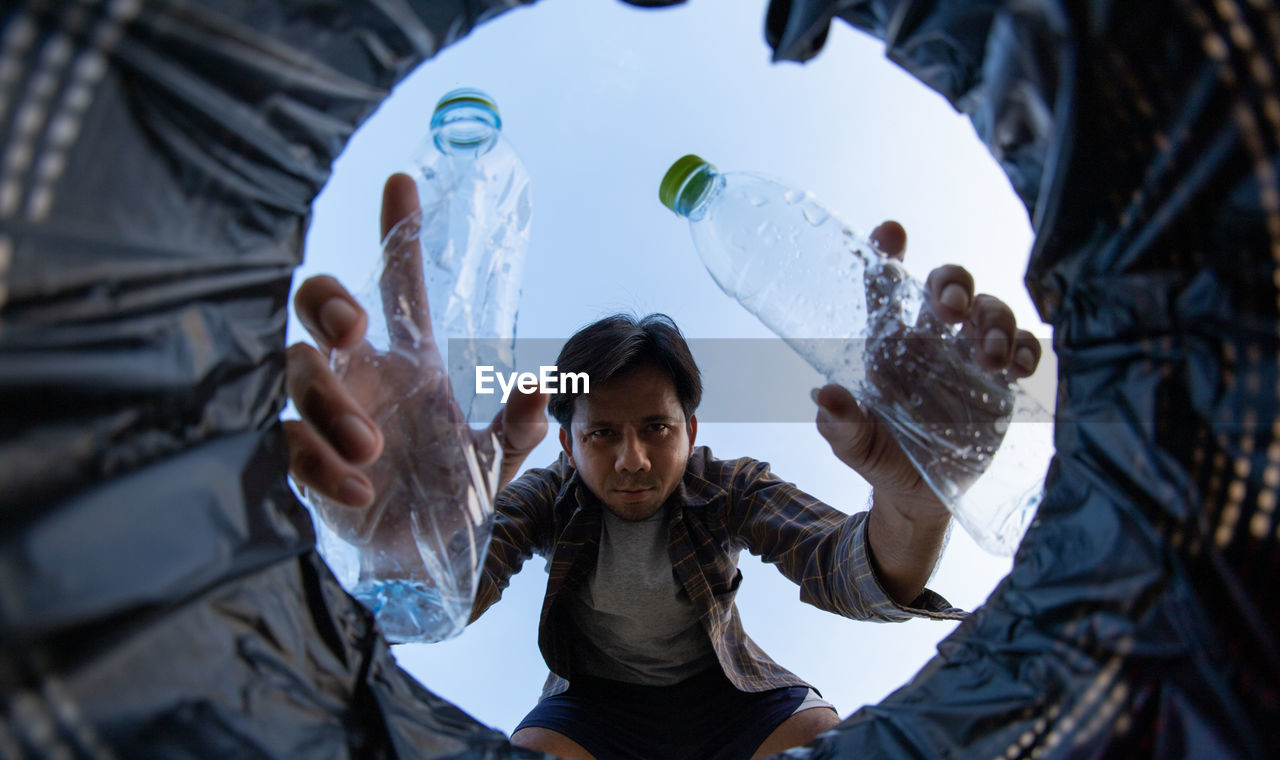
(444, 297)
(980, 442)
(477, 208)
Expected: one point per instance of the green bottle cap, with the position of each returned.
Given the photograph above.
(676, 176)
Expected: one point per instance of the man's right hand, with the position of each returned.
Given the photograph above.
(332, 446)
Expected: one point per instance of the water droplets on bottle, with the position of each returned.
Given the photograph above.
(815, 214)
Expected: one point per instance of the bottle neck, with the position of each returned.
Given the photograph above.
(696, 192)
(465, 129)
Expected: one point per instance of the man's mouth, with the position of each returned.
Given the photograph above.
(633, 493)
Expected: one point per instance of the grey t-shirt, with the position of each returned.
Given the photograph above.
(635, 621)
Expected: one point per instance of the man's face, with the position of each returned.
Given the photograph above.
(629, 441)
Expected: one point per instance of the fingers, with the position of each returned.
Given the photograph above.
(329, 313)
(314, 464)
(1026, 355)
(992, 328)
(891, 239)
(985, 319)
(949, 291)
(327, 407)
(402, 286)
(399, 200)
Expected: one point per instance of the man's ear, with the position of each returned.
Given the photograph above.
(566, 444)
(693, 431)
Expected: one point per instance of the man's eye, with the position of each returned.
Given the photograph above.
(599, 433)
(659, 427)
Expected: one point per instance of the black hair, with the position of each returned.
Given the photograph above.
(620, 343)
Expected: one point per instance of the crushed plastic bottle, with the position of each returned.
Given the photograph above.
(980, 442)
(445, 295)
(476, 212)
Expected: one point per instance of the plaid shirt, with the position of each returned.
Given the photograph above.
(720, 507)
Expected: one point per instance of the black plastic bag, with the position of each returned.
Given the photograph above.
(1140, 615)
(161, 592)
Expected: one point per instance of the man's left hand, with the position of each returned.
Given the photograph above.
(864, 443)
(908, 521)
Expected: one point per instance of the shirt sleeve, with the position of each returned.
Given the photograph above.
(523, 525)
(818, 547)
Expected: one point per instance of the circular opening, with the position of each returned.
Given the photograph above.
(599, 99)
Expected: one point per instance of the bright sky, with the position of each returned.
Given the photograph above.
(599, 98)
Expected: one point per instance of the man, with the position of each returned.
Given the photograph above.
(642, 529)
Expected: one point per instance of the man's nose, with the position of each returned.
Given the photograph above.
(632, 456)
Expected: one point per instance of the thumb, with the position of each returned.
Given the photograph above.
(522, 424)
(519, 427)
(844, 425)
